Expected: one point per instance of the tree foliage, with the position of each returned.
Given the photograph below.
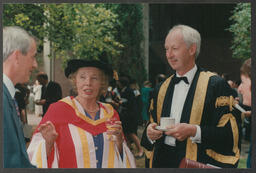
(82, 31)
(241, 29)
(86, 31)
(130, 34)
(28, 16)
(75, 30)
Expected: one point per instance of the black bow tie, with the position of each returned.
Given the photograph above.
(176, 79)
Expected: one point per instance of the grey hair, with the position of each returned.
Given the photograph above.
(16, 38)
(190, 36)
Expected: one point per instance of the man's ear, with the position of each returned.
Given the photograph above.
(16, 54)
(192, 49)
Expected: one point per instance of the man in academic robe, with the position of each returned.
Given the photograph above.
(205, 129)
(19, 50)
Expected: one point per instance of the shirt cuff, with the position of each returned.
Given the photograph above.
(197, 137)
(152, 142)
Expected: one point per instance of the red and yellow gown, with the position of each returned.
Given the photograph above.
(74, 146)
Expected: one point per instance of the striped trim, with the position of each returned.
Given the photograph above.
(160, 103)
(108, 111)
(197, 111)
(111, 153)
(161, 96)
(85, 149)
(105, 151)
(151, 159)
(223, 158)
(151, 120)
(127, 161)
(39, 162)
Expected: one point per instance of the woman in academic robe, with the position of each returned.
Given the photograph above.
(75, 131)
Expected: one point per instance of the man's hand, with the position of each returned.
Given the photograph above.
(152, 133)
(181, 131)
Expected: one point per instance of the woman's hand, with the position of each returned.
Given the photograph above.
(49, 134)
(117, 130)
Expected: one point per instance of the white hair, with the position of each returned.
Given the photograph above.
(15, 38)
(190, 36)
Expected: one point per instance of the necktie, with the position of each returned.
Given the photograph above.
(176, 79)
(16, 106)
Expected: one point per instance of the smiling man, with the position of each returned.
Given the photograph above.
(19, 50)
(193, 97)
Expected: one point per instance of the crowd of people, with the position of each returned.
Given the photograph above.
(97, 124)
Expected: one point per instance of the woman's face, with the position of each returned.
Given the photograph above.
(88, 82)
(245, 89)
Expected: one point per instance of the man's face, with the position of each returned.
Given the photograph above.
(27, 63)
(179, 56)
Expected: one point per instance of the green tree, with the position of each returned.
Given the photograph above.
(86, 31)
(28, 16)
(130, 34)
(75, 30)
(241, 29)
(82, 31)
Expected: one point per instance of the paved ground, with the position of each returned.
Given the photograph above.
(33, 119)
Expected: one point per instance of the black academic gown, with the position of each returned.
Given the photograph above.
(219, 139)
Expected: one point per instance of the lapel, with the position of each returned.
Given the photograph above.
(185, 116)
(168, 100)
(15, 119)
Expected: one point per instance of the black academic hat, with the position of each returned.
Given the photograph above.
(74, 64)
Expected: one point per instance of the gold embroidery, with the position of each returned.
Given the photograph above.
(161, 96)
(197, 111)
(151, 120)
(222, 158)
(225, 101)
(151, 159)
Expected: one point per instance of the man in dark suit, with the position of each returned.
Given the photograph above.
(205, 129)
(19, 50)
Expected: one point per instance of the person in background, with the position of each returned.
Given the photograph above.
(128, 113)
(109, 96)
(193, 97)
(43, 80)
(37, 90)
(81, 132)
(19, 51)
(245, 88)
(21, 96)
(138, 102)
(145, 93)
(160, 78)
(52, 94)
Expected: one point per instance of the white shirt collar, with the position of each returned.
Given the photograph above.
(190, 74)
(9, 84)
